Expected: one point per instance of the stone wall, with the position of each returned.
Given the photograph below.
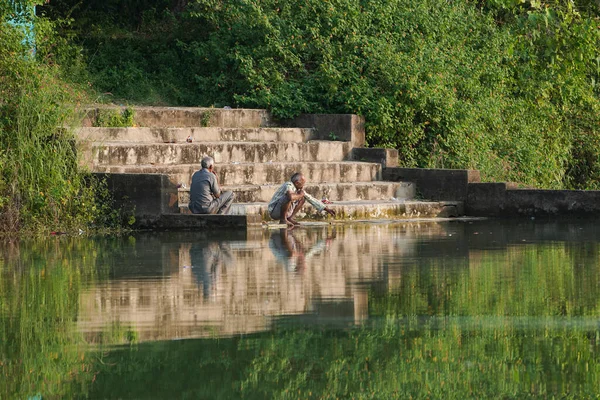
(343, 127)
(435, 184)
(504, 200)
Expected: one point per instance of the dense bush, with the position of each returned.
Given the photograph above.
(507, 87)
(41, 186)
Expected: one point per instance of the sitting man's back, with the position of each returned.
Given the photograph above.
(205, 194)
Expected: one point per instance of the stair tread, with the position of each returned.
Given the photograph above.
(212, 143)
(308, 184)
(245, 163)
(365, 202)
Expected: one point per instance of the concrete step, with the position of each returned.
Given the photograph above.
(180, 135)
(260, 173)
(332, 191)
(186, 116)
(222, 152)
(357, 210)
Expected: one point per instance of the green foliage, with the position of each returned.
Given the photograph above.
(41, 185)
(205, 120)
(114, 118)
(509, 87)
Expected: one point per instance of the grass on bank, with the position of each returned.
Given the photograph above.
(42, 186)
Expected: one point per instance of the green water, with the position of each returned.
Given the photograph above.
(480, 309)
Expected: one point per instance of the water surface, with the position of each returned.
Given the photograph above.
(380, 310)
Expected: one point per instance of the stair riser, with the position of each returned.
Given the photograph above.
(189, 117)
(180, 135)
(192, 153)
(259, 174)
(333, 192)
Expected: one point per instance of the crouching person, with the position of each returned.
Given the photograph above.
(290, 198)
(205, 194)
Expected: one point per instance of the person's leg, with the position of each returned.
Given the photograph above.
(224, 202)
(292, 213)
(283, 209)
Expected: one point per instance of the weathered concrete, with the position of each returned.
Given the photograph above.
(500, 200)
(253, 158)
(187, 117)
(180, 135)
(358, 210)
(196, 221)
(146, 196)
(261, 173)
(436, 184)
(345, 127)
(333, 191)
(388, 158)
(192, 153)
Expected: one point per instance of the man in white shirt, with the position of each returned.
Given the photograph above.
(290, 198)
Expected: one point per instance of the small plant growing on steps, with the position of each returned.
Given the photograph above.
(333, 136)
(205, 119)
(112, 118)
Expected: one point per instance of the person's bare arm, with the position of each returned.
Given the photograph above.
(295, 196)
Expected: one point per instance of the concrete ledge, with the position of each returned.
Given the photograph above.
(360, 210)
(436, 184)
(197, 221)
(146, 196)
(186, 117)
(344, 127)
(500, 200)
(388, 158)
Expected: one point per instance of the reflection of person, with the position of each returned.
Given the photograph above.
(207, 261)
(205, 194)
(290, 198)
(291, 252)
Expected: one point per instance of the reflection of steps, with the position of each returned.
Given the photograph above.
(248, 283)
(253, 157)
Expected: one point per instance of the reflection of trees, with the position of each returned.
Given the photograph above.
(40, 351)
(502, 324)
(533, 280)
(489, 326)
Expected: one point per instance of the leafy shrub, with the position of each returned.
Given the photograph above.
(41, 185)
(113, 118)
(506, 87)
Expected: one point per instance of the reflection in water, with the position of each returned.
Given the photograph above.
(291, 251)
(483, 309)
(208, 262)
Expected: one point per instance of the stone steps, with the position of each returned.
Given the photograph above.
(253, 157)
(191, 153)
(260, 173)
(375, 190)
(197, 134)
(359, 210)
